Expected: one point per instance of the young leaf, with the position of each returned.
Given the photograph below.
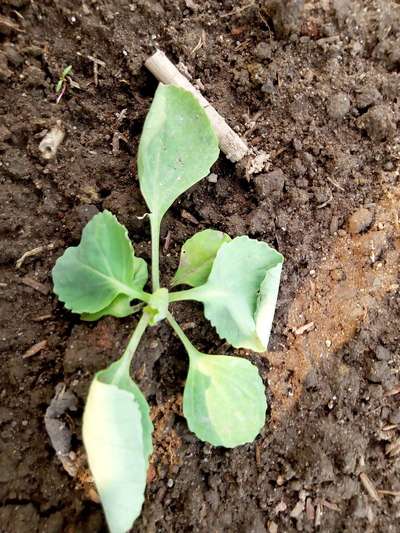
(240, 294)
(88, 277)
(59, 85)
(158, 306)
(117, 436)
(197, 256)
(140, 273)
(177, 147)
(224, 400)
(66, 71)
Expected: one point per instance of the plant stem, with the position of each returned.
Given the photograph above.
(191, 350)
(140, 295)
(126, 359)
(155, 252)
(188, 294)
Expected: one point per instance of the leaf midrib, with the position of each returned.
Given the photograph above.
(125, 289)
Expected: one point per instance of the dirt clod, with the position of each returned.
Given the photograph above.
(338, 106)
(360, 220)
(270, 184)
(379, 123)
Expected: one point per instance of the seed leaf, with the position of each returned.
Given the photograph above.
(88, 277)
(224, 400)
(177, 147)
(240, 294)
(197, 256)
(117, 436)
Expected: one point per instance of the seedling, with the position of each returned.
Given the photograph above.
(62, 82)
(237, 281)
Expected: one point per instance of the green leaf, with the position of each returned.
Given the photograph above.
(158, 306)
(66, 71)
(117, 436)
(177, 147)
(241, 291)
(120, 308)
(140, 273)
(197, 256)
(59, 85)
(88, 277)
(224, 400)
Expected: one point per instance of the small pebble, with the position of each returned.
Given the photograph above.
(382, 353)
(359, 221)
(338, 106)
(379, 372)
(394, 417)
(263, 51)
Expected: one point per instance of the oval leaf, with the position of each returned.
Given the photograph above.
(231, 294)
(177, 147)
(224, 400)
(197, 256)
(88, 277)
(117, 437)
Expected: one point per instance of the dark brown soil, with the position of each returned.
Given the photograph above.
(315, 86)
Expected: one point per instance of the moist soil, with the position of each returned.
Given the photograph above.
(314, 86)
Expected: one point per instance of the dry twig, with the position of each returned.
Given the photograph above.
(36, 348)
(369, 487)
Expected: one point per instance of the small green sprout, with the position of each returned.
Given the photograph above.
(237, 280)
(62, 82)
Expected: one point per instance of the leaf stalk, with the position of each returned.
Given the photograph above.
(155, 251)
(191, 350)
(127, 356)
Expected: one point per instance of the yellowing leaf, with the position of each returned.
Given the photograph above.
(117, 437)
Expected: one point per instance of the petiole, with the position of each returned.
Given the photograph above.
(127, 356)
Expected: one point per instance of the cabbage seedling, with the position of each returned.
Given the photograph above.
(237, 281)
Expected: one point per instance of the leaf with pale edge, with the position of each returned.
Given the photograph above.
(197, 256)
(89, 277)
(177, 147)
(224, 400)
(117, 437)
(240, 294)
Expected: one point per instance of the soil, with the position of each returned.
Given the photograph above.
(315, 85)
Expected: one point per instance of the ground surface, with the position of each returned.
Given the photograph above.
(318, 90)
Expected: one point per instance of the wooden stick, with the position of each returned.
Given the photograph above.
(166, 72)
